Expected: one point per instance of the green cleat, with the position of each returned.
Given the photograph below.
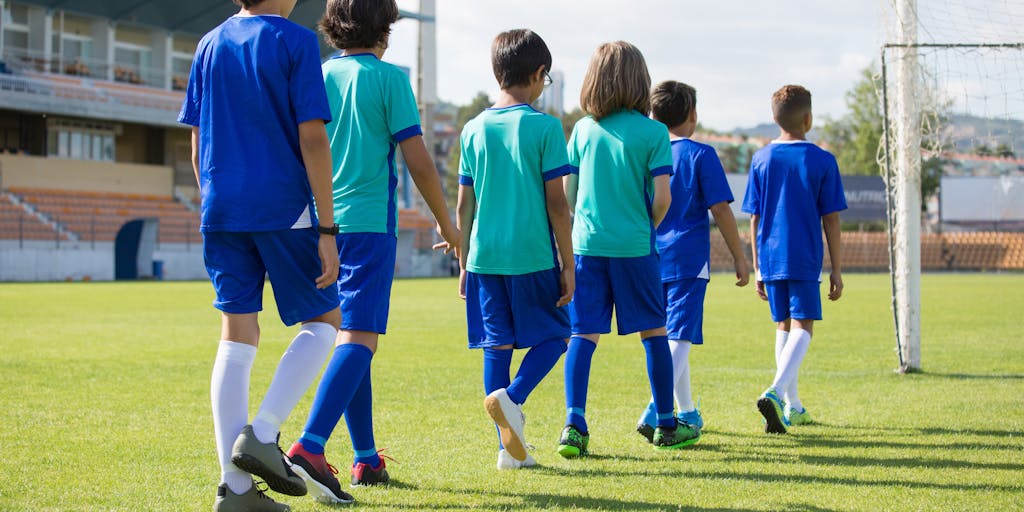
(771, 408)
(801, 417)
(253, 500)
(646, 430)
(672, 439)
(573, 443)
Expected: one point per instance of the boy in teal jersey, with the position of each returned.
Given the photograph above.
(512, 213)
(622, 156)
(374, 114)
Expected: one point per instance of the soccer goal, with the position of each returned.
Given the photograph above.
(952, 89)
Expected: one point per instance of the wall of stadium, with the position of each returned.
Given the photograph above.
(76, 261)
(17, 171)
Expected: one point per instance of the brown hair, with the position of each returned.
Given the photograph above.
(789, 106)
(358, 23)
(516, 54)
(672, 102)
(616, 79)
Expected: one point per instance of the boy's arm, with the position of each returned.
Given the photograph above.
(561, 225)
(727, 226)
(466, 210)
(830, 222)
(195, 156)
(316, 155)
(662, 198)
(424, 175)
(755, 220)
(572, 185)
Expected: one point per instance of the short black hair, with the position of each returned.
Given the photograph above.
(789, 106)
(247, 3)
(516, 54)
(672, 102)
(358, 23)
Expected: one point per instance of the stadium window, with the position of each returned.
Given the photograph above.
(80, 140)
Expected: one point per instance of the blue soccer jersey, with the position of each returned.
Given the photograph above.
(253, 81)
(791, 186)
(684, 237)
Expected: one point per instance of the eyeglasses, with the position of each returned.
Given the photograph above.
(547, 79)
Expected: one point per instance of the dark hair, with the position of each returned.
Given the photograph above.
(672, 102)
(247, 3)
(616, 79)
(789, 106)
(516, 54)
(358, 23)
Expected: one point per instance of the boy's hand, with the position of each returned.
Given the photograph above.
(760, 290)
(835, 286)
(568, 281)
(328, 250)
(742, 273)
(462, 284)
(452, 239)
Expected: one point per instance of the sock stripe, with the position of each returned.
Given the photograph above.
(575, 410)
(365, 453)
(306, 436)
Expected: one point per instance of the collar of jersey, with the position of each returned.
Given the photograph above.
(517, 105)
(354, 55)
(791, 142)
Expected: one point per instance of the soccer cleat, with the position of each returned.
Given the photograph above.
(506, 461)
(674, 438)
(794, 417)
(510, 420)
(771, 408)
(573, 443)
(267, 461)
(253, 500)
(319, 476)
(364, 475)
(691, 418)
(645, 430)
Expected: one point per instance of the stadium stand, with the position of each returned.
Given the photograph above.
(17, 224)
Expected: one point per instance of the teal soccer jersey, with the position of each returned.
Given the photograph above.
(507, 156)
(617, 159)
(374, 110)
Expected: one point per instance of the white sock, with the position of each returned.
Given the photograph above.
(780, 343)
(229, 394)
(792, 355)
(681, 373)
(299, 365)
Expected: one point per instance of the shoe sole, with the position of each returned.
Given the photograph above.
(370, 484)
(773, 423)
(677, 446)
(318, 491)
(509, 439)
(570, 452)
(254, 466)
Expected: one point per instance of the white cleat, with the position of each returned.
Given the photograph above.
(506, 461)
(510, 420)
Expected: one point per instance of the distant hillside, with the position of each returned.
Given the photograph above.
(967, 132)
(768, 131)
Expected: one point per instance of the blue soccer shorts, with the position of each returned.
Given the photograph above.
(794, 299)
(631, 285)
(238, 262)
(517, 310)
(364, 280)
(684, 299)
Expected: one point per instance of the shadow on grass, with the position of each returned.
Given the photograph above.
(971, 376)
(909, 463)
(563, 501)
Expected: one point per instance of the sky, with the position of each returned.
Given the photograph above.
(734, 52)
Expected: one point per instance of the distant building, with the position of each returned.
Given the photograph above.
(553, 99)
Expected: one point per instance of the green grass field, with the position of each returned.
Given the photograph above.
(105, 401)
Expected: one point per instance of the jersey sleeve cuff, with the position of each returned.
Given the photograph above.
(191, 120)
(465, 180)
(574, 169)
(406, 133)
(665, 169)
(557, 172)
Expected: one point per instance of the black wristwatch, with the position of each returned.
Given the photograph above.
(327, 230)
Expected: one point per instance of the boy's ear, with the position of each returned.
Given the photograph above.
(808, 121)
(538, 74)
(692, 118)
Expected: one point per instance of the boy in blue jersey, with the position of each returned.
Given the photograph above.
(375, 114)
(259, 71)
(794, 191)
(621, 193)
(684, 239)
(512, 214)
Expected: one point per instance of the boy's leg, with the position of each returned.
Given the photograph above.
(341, 379)
(367, 468)
(804, 299)
(497, 367)
(659, 373)
(577, 376)
(540, 359)
(229, 395)
(532, 298)
(681, 373)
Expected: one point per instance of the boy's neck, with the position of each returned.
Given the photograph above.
(265, 8)
(787, 136)
(682, 131)
(376, 50)
(513, 96)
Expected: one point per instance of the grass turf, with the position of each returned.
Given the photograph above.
(105, 390)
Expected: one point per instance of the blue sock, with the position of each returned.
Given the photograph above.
(536, 365)
(577, 376)
(359, 418)
(650, 416)
(659, 371)
(497, 363)
(342, 377)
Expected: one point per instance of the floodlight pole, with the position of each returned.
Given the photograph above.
(907, 200)
(426, 73)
